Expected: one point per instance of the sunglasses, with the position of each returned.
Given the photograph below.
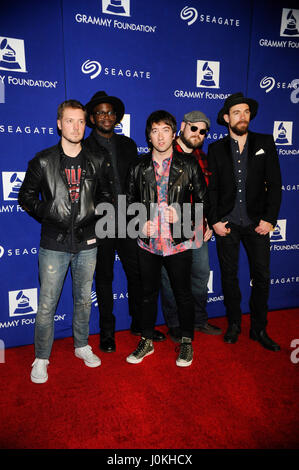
(195, 128)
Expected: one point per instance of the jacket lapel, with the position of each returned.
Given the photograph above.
(176, 169)
(228, 154)
(251, 149)
(149, 173)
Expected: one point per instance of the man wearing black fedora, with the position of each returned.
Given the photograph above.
(104, 112)
(245, 197)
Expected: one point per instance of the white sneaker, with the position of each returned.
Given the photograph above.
(90, 359)
(39, 373)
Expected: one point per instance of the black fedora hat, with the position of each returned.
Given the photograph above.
(232, 100)
(102, 97)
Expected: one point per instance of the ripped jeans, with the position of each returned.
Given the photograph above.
(53, 267)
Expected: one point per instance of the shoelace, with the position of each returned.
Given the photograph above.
(141, 347)
(87, 352)
(185, 350)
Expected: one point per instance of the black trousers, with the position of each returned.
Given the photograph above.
(127, 253)
(178, 267)
(258, 251)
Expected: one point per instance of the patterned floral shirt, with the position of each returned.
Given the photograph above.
(162, 243)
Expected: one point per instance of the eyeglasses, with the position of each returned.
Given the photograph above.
(102, 114)
(195, 128)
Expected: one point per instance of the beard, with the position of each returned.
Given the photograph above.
(189, 142)
(105, 130)
(240, 130)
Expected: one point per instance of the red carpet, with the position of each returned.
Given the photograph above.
(233, 396)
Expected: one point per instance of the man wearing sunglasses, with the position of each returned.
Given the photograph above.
(194, 129)
(104, 113)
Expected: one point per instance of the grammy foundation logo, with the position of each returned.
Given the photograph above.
(12, 55)
(289, 23)
(123, 127)
(279, 232)
(116, 7)
(282, 132)
(207, 74)
(22, 302)
(12, 181)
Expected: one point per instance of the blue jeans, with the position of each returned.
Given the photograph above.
(53, 267)
(200, 273)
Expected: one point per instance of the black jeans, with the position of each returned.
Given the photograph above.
(127, 253)
(178, 267)
(258, 251)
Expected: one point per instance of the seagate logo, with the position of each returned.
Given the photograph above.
(189, 14)
(267, 83)
(92, 68)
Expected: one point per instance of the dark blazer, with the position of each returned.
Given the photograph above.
(186, 182)
(263, 183)
(126, 150)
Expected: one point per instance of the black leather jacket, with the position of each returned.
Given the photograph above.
(45, 176)
(186, 182)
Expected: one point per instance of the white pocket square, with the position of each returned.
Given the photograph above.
(260, 152)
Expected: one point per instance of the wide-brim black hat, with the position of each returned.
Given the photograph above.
(232, 100)
(102, 97)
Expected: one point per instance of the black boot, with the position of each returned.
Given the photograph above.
(264, 340)
(232, 333)
(107, 342)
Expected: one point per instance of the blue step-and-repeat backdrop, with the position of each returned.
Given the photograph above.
(177, 55)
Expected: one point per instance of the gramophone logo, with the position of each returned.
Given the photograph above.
(12, 181)
(22, 302)
(279, 232)
(12, 55)
(124, 126)
(282, 132)
(289, 23)
(208, 73)
(210, 283)
(116, 7)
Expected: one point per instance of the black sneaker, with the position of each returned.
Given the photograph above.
(145, 348)
(185, 356)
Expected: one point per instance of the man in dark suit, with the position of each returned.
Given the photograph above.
(104, 112)
(245, 197)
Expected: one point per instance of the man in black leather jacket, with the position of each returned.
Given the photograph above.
(104, 112)
(170, 183)
(70, 182)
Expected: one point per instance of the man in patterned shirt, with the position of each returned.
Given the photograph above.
(167, 179)
(194, 129)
